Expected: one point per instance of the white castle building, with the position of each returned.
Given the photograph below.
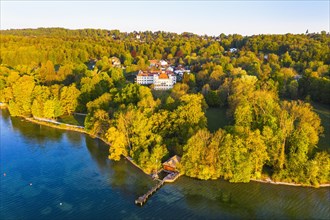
(162, 80)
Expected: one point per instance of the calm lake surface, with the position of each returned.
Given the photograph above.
(53, 174)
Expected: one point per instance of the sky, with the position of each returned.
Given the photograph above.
(199, 17)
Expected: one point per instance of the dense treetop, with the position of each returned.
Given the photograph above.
(265, 81)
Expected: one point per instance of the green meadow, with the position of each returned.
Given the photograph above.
(216, 118)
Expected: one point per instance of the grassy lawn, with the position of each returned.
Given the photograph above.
(72, 119)
(216, 118)
(324, 113)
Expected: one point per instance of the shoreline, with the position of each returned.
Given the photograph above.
(69, 127)
(61, 126)
(270, 181)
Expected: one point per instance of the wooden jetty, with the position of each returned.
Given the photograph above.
(143, 199)
(169, 178)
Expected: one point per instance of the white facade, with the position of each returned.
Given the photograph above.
(178, 72)
(144, 78)
(164, 83)
(233, 50)
(170, 69)
(161, 81)
(163, 63)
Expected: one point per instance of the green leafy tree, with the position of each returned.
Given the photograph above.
(118, 143)
(52, 109)
(22, 96)
(69, 98)
(201, 155)
(98, 122)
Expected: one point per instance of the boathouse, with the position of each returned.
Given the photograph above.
(171, 167)
(172, 164)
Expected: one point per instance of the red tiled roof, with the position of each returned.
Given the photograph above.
(147, 73)
(153, 61)
(163, 76)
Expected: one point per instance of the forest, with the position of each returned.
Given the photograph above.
(267, 83)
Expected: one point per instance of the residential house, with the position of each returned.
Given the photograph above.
(115, 61)
(153, 63)
(163, 63)
(233, 50)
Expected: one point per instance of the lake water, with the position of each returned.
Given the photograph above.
(53, 174)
